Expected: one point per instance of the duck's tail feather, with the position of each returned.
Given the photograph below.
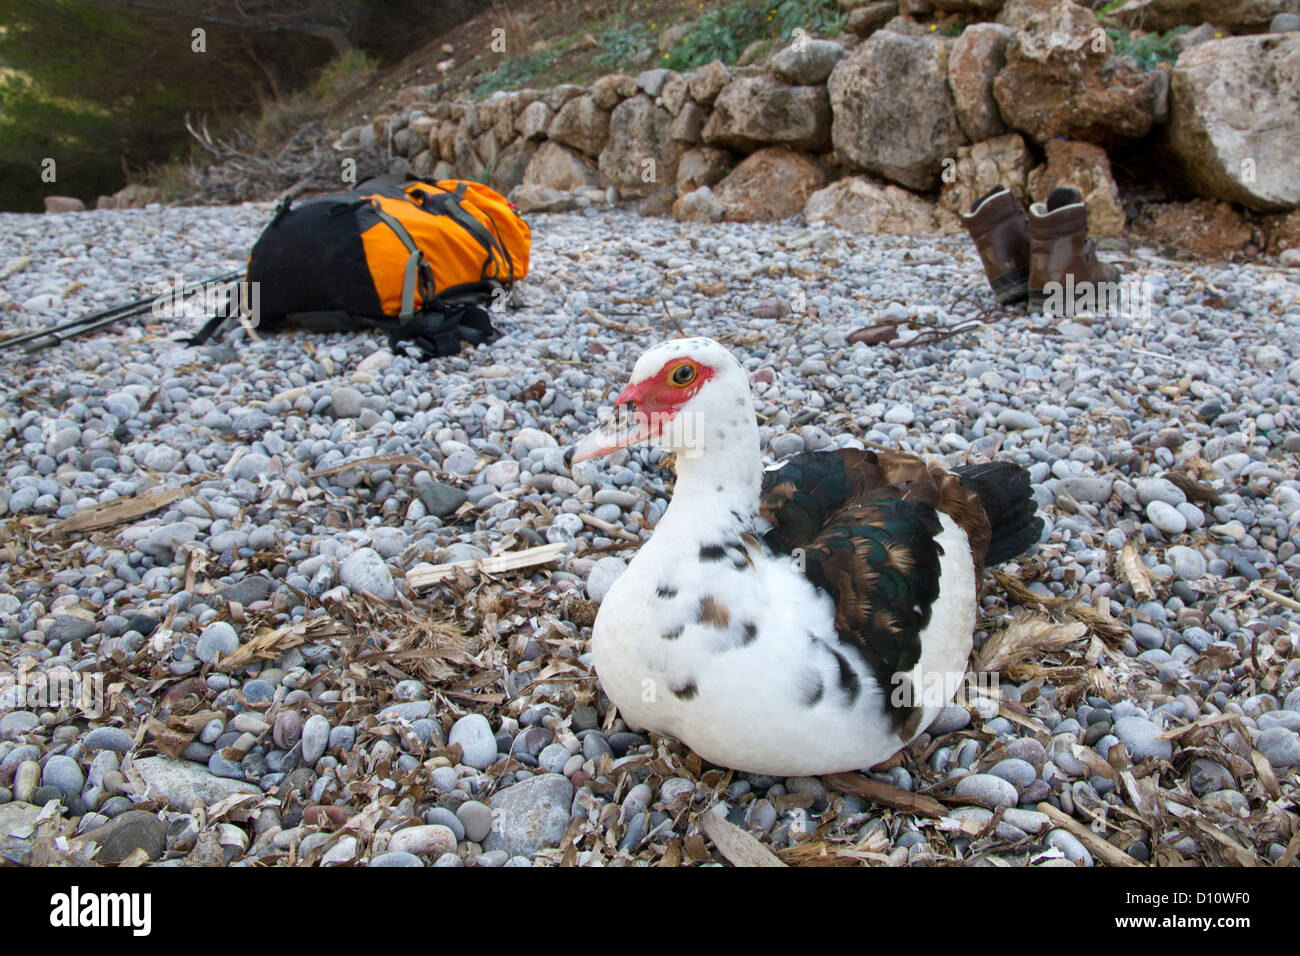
(1007, 498)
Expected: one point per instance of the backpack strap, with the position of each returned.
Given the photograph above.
(413, 262)
(439, 333)
(448, 203)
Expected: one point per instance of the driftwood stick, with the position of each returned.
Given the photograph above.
(497, 564)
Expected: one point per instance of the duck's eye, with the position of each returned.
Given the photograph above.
(683, 375)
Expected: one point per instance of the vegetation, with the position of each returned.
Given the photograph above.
(517, 71)
(102, 87)
(725, 32)
(619, 44)
(347, 72)
(1149, 49)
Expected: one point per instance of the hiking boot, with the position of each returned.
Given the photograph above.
(997, 224)
(1059, 248)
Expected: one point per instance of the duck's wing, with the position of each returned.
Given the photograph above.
(865, 526)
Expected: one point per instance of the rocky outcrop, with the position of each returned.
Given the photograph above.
(866, 19)
(698, 205)
(1061, 79)
(1002, 161)
(807, 62)
(859, 204)
(133, 196)
(976, 58)
(1201, 227)
(582, 124)
(771, 184)
(910, 104)
(63, 204)
(641, 155)
(1235, 125)
(702, 166)
(557, 167)
(1162, 15)
(511, 165)
(1084, 167)
(755, 111)
(707, 81)
(893, 112)
(610, 89)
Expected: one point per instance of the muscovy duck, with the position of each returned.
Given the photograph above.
(810, 619)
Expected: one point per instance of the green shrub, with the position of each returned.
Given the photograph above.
(618, 44)
(345, 73)
(1149, 49)
(516, 72)
(724, 33)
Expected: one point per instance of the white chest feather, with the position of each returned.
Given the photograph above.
(741, 661)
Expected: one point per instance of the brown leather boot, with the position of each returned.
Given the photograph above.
(997, 224)
(1059, 248)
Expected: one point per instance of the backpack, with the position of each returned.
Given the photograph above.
(420, 261)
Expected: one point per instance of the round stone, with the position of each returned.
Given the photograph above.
(477, 742)
(219, 639)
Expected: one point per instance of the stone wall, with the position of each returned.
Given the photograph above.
(894, 127)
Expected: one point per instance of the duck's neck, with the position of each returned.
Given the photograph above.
(718, 487)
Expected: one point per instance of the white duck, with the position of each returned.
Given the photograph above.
(810, 619)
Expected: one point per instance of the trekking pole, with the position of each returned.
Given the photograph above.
(96, 320)
(52, 338)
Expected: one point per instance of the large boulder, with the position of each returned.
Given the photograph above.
(699, 205)
(807, 62)
(611, 89)
(771, 184)
(706, 82)
(866, 19)
(1162, 15)
(641, 155)
(1061, 79)
(558, 167)
(465, 155)
(511, 165)
(976, 58)
(701, 166)
(64, 204)
(755, 111)
(487, 146)
(1084, 167)
(675, 93)
(860, 204)
(133, 196)
(1235, 123)
(688, 124)
(893, 111)
(1001, 161)
(582, 124)
(535, 119)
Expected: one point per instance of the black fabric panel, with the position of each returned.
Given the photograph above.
(312, 260)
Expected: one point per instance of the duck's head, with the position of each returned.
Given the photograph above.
(689, 396)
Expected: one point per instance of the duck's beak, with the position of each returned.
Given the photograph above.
(626, 427)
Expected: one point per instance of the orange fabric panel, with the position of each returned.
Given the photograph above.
(453, 255)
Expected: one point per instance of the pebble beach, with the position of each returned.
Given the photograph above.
(230, 543)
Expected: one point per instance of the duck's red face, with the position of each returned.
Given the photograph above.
(647, 406)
